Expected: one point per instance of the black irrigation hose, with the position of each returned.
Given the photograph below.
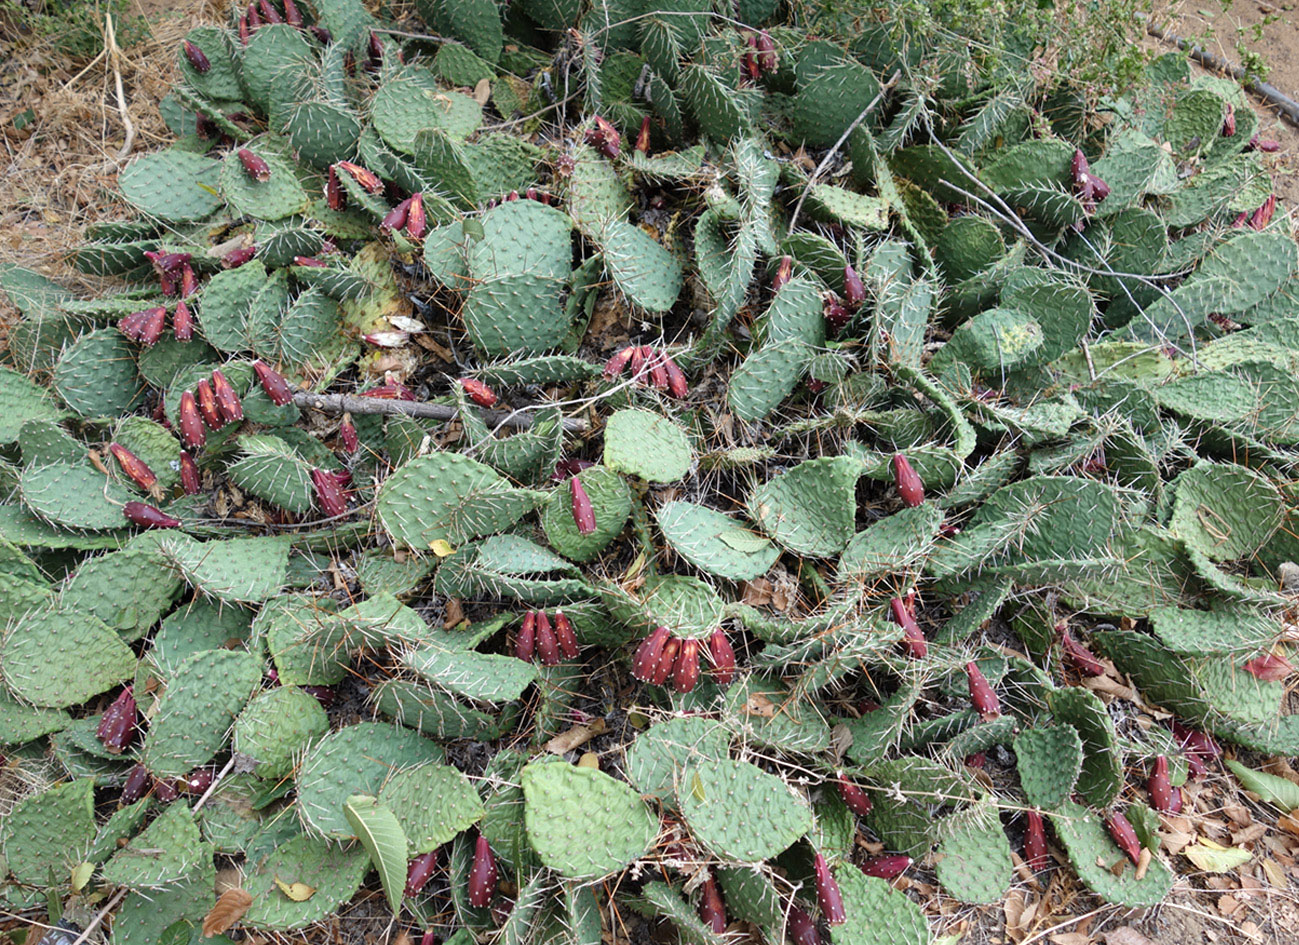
(1283, 103)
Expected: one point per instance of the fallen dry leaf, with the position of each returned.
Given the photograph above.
(298, 892)
(576, 737)
(1126, 935)
(759, 705)
(229, 909)
(453, 613)
(483, 91)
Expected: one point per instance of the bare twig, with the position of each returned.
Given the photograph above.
(100, 916)
(347, 403)
(114, 54)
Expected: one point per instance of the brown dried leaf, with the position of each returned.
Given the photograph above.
(1126, 935)
(454, 613)
(229, 909)
(483, 91)
(576, 737)
(759, 705)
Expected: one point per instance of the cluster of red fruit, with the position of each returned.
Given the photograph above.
(661, 655)
(649, 366)
(540, 639)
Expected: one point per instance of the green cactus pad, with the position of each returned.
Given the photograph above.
(766, 378)
(333, 873)
(1101, 865)
(432, 803)
(168, 851)
(275, 725)
(1101, 777)
(877, 913)
(96, 375)
(434, 712)
(293, 627)
(414, 102)
(809, 509)
(193, 717)
(974, 863)
(273, 471)
(358, 759)
(47, 834)
(489, 677)
(582, 823)
(173, 185)
(22, 401)
(715, 542)
(448, 497)
(56, 658)
(1049, 759)
(660, 754)
(644, 444)
(77, 497)
(611, 502)
(129, 590)
(643, 270)
(234, 569)
(20, 723)
(544, 370)
(739, 811)
(1225, 511)
(892, 544)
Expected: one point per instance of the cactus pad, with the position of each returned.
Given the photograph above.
(809, 509)
(739, 811)
(56, 658)
(1049, 759)
(714, 542)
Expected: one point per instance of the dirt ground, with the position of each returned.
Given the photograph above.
(55, 177)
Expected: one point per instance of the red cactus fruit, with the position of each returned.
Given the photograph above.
(784, 272)
(276, 387)
(564, 636)
(419, 872)
(657, 370)
(146, 516)
(678, 386)
(188, 281)
(801, 927)
(130, 325)
(292, 15)
(334, 195)
(189, 478)
(638, 361)
(164, 789)
(887, 866)
(618, 363)
(482, 875)
(685, 675)
(1080, 656)
(237, 257)
(712, 910)
(583, 511)
(910, 489)
(1035, 854)
(197, 781)
(547, 645)
(643, 136)
(828, 896)
(137, 469)
(722, 655)
(666, 662)
(269, 13)
(479, 392)
(1263, 215)
(417, 219)
(183, 322)
(854, 292)
(525, 644)
(767, 59)
(136, 784)
(347, 433)
(1122, 833)
(207, 405)
(254, 166)
(395, 218)
(117, 724)
(192, 433)
(858, 801)
(648, 653)
(196, 57)
(227, 401)
(1229, 122)
(389, 391)
(329, 494)
(835, 312)
(982, 697)
(913, 639)
(1262, 144)
(1163, 796)
(1196, 741)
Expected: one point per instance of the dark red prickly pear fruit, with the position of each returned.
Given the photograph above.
(192, 433)
(482, 875)
(322, 694)
(276, 387)
(583, 511)
(269, 13)
(334, 195)
(858, 801)
(237, 257)
(712, 910)
(395, 219)
(164, 789)
(525, 645)
(347, 433)
(1163, 796)
(188, 281)
(835, 312)
(189, 478)
(1123, 835)
(1035, 854)
(1263, 215)
(292, 15)
(183, 322)
(207, 405)
(722, 656)
(667, 660)
(137, 782)
(1229, 122)
(767, 59)
(420, 872)
(146, 516)
(137, 469)
(854, 292)
(547, 645)
(197, 781)
(801, 927)
(685, 674)
(618, 363)
(368, 179)
(227, 401)
(329, 494)
(678, 386)
(254, 166)
(564, 636)
(913, 639)
(910, 489)
(1080, 656)
(648, 653)
(828, 895)
(887, 866)
(196, 57)
(479, 392)
(982, 697)
(1269, 667)
(117, 724)
(417, 219)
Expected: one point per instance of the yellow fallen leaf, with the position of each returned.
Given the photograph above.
(298, 892)
(81, 875)
(1215, 858)
(589, 759)
(442, 548)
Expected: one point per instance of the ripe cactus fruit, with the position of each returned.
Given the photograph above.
(117, 724)
(914, 641)
(604, 136)
(146, 516)
(982, 697)
(722, 656)
(133, 466)
(1263, 215)
(189, 478)
(130, 325)
(276, 387)
(1035, 854)
(525, 645)
(482, 875)
(368, 180)
(768, 61)
(417, 218)
(420, 872)
(828, 895)
(583, 511)
(564, 636)
(647, 654)
(479, 392)
(183, 322)
(197, 781)
(392, 390)
(857, 800)
(151, 328)
(188, 281)
(910, 489)
(292, 15)
(196, 58)
(835, 312)
(784, 272)
(227, 401)
(329, 493)
(1079, 655)
(1198, 746)
(547, 645)
(887, 866)
(237, 257)
(254, 166)
(347, 433)
(854, 292)
(618, 363)
(678, 387)
(1163, 796)
(1089, 188)
(192, 433)
(667, 660)
(1121, 831)
(136, 784)
(269, 13)
(207, 405)
(685, 674)
(396, 218)
(801, 927)
(712, 910)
